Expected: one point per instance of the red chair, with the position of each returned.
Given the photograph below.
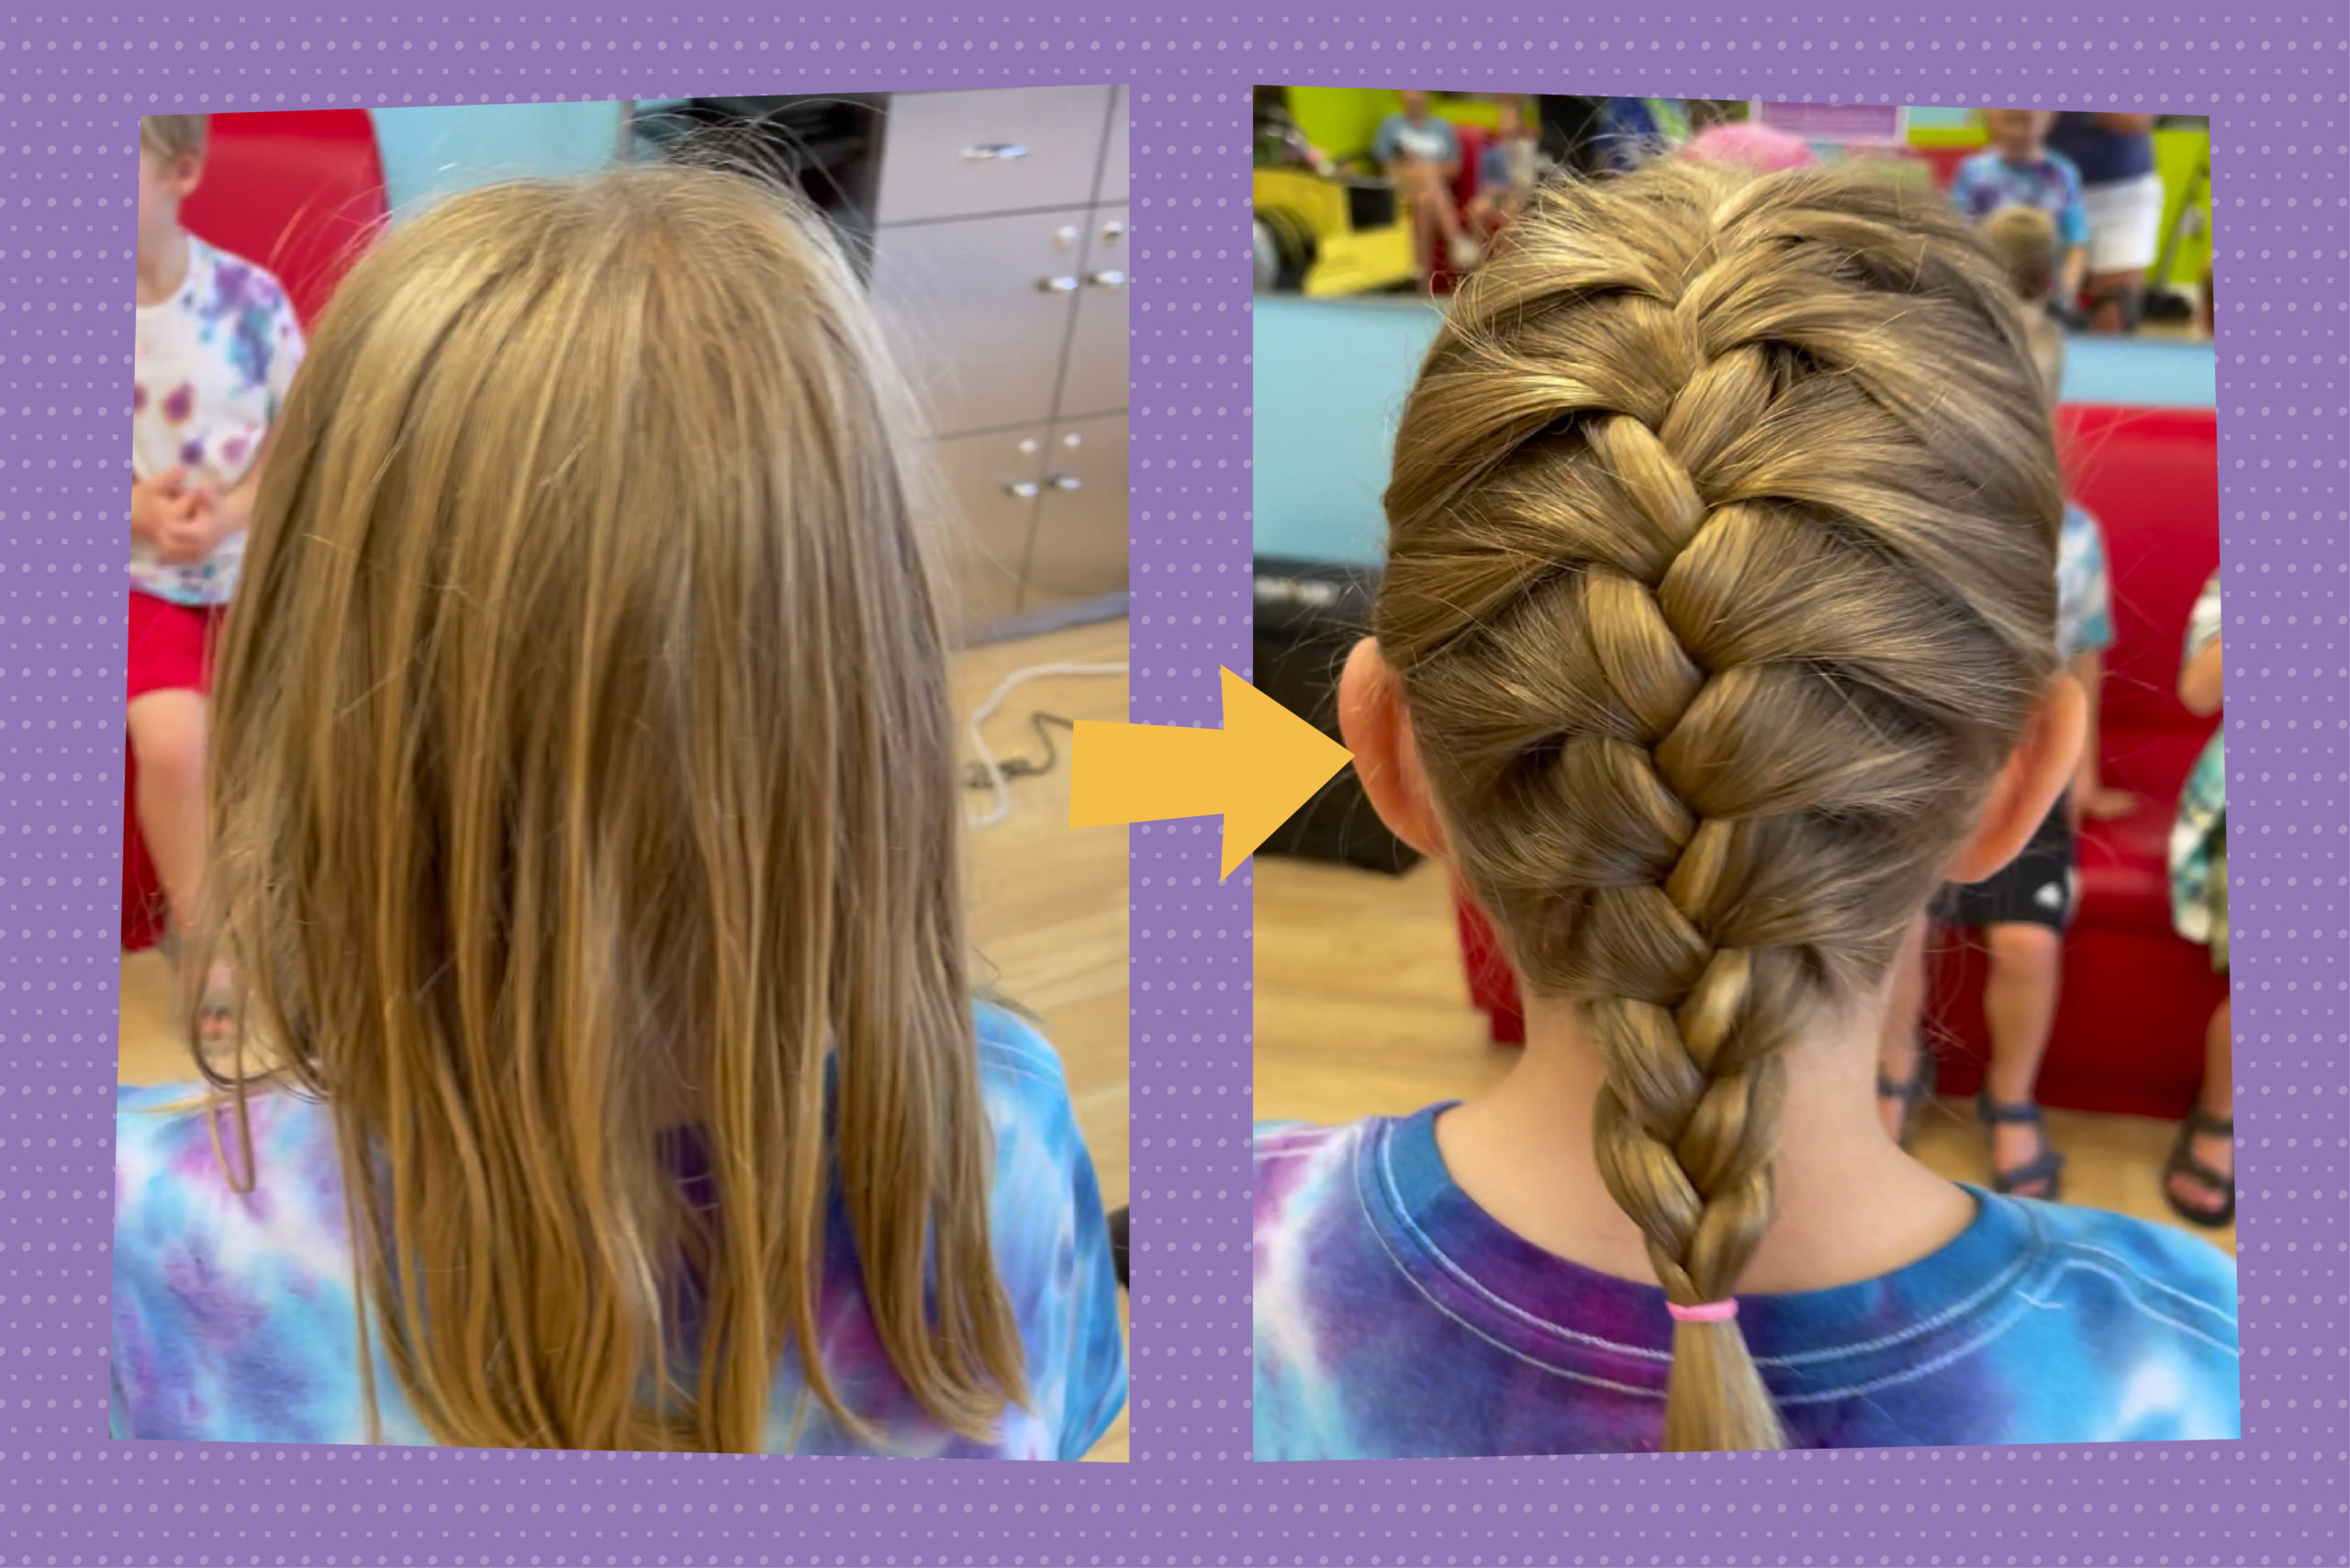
(2129, 1034)
(301, 193)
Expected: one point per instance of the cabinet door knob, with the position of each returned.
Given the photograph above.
(994, 153)
(1025, 489)
(1066, 482)
(1057, 285)
(1106, 279)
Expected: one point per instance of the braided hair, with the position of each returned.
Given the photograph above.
(1721, 579)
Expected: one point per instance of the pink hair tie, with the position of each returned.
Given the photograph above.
(1704, 1312)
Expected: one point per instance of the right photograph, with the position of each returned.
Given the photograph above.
(1763, 983)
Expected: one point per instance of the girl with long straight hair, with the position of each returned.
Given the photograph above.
(584, 819)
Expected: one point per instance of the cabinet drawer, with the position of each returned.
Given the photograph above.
(1078, 550)
(995, 150)
(992, 483)
(979, 312)
(1096, 381)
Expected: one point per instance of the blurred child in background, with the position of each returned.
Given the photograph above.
(1419, 152)
(2018, 170)
(215, 349)
(2023, 910)
(2200, 1180)
(1506, 171)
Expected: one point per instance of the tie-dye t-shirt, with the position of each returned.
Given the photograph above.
(1396, 1319)
(233, 1317)
(210, 370)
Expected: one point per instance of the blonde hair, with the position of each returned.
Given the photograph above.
(167, 137)
(2024, 239)
(1722, 580)
(2047, 342)
(583, 789)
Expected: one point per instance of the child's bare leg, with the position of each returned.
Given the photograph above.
(2019, 1007)
(1898, 1054)
(1410, 178)
(2217, 1099)
(167, 739)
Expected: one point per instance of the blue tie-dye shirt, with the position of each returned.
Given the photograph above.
(1396, 1319)
(234, 1320)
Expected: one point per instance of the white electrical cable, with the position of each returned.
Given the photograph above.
(1002, 807)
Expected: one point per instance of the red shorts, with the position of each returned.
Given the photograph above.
(171, 646)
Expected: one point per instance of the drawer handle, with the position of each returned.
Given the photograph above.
(1112, 279)
(1025, 489)
(1067, 484)
(994, 153)
(1057, 285)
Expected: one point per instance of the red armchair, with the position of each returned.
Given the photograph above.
(2129, 1033)
(301, 193)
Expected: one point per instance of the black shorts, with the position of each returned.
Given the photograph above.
(2036, 888)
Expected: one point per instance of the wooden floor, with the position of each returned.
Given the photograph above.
(1362, 1010)
(1048, 908)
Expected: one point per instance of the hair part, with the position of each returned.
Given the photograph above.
(586, 825)
(168, 137)
(1722, 580)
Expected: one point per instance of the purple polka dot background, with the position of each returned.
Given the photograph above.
(2272, 83)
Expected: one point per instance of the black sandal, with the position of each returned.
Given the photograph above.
(2047, 1166)
(1916, 1093)
(1118, 1243)
(2182, 1162)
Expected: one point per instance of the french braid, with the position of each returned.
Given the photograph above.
(1721, 578)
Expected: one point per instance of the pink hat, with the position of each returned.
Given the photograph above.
(1759, 147)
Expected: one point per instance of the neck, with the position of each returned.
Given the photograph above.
(1850, 1205)
(162, 267)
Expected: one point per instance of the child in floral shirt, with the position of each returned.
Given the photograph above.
(216, 348)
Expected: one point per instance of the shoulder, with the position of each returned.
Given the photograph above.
(1025, 1089)
(2180, 1285)
(243, 283)
(1302, 1172)
(180, 1155)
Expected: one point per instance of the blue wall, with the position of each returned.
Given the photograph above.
(430, 152)
(1331, 375)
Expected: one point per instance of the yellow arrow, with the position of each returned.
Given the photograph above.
(1264, 763)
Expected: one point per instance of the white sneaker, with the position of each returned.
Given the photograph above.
(1466, 253)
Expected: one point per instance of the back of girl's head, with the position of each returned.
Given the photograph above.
(2024, 239)
(582, 774)
(1720, 582)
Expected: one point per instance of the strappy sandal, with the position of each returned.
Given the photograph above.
(2047, 1166)
(1914, 1093)
(2182, 1162)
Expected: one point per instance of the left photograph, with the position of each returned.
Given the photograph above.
(605, 965)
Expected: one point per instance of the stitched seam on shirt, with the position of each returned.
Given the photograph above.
(2135, 1276)
(1800, 1358)
(2124, 1282)
(1511, 1350)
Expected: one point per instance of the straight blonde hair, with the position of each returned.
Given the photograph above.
(167, 137)
(1722, 580)
(583, 787)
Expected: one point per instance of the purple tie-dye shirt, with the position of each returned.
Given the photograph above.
(1396, 1319)
(234, 1319)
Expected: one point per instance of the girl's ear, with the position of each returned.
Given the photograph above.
(1378, 730)
(2027, 789)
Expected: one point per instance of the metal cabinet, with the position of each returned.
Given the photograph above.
(1078, 549)
(980, 310)
(1000, 260)
(1095, 381)
(991, 485)
(997, 149)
